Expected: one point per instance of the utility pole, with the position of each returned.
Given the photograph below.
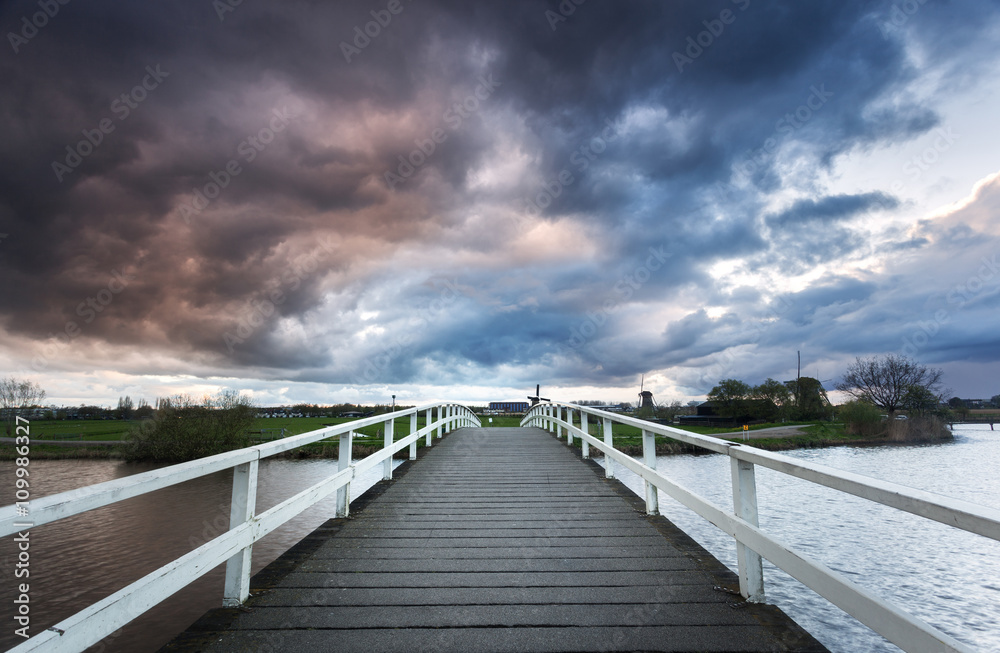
(798, 373)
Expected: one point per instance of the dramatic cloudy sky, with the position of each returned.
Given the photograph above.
(475, 197)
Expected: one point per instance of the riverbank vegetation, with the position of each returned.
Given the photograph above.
(799, 399)
(184, 430)
(181, 429)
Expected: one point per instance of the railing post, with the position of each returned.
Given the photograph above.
(586, 429)
(609, 472)
(569, 433)
(387, 465)
(413, 429)
(430, 432)
(440, 416)
(745, 507)
(649, 460)
(244, 503)
(343, 462)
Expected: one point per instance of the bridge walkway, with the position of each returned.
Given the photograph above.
(497, 540)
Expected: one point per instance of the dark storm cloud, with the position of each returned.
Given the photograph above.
(668, 146)
(826, 210)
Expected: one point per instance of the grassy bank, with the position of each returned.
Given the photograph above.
(814, 435)
(370, 439)
(628, 439)
(367, 440)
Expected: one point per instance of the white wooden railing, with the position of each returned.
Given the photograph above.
(234, 547)
(898, 626)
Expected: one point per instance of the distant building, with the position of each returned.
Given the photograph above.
(509, 406)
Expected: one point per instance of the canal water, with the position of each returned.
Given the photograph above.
(80, 560)
(945, 576)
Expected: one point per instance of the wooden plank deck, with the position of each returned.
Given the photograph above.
(497, 540)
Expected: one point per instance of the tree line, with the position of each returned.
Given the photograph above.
(771, 401)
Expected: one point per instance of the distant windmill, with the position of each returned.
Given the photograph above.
(645, 396)
(538, 396)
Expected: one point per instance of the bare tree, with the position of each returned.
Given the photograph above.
(126, 407)
(885, 381)
(16, 394)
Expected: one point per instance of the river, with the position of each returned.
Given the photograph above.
(947, 577)
(78, 561)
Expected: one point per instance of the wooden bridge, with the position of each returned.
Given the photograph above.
(497, 540)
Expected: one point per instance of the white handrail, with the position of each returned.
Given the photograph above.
(893, 623)
(95, 622)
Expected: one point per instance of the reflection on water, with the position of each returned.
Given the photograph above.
(943, 575)
(78, 561)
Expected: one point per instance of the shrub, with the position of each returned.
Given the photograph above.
(183, 430)
(862, 418)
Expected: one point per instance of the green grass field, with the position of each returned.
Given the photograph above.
(83, 429)
(99, 429)
(625, 437)
(109, 430)
(716, 430)
(629, 438)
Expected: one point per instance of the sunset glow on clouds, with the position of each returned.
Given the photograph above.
(482, 197)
